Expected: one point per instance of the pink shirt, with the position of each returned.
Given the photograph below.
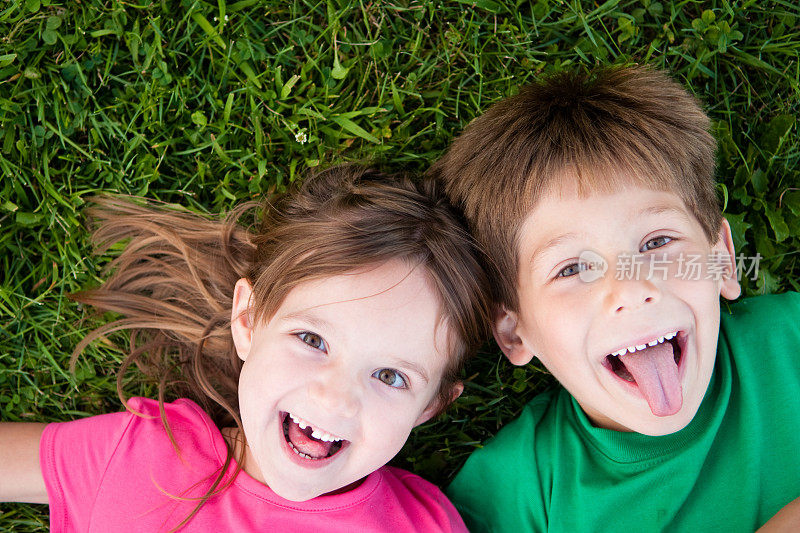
(111, 473)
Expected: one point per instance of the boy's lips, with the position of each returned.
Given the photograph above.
(307, 445)
(651, 366)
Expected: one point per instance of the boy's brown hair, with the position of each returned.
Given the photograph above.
(609, 127)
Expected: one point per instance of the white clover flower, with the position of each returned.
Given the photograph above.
(301, 136)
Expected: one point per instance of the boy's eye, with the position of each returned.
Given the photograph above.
(313, 340)
(390, 377)
(655, 242)
(571, 270)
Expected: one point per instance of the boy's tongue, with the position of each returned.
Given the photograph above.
(305, 443)
(656, 374)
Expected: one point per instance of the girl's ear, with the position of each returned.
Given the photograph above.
(241, 318)
(504, 328)
(436, 407)
(730, 289)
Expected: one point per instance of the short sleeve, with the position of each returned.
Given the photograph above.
(74, 456)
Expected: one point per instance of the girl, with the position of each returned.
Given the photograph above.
(315, 344)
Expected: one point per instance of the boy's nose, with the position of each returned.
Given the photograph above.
(630, 294)
(335, 392)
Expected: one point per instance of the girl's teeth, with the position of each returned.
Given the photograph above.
(316, 433)
(652, 343)
(301, 454)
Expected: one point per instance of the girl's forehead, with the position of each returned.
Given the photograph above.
(391, 283)
(392, 301)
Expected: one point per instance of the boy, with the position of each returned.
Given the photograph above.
(595, 198)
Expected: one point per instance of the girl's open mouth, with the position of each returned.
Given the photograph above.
(308, 441)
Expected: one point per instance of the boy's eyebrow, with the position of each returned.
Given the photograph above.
(661, 210)
(652, 210)
(555, 241)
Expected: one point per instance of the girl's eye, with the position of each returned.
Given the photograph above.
(390, 377)
(313, 340)
(571, 270)
(655, 242)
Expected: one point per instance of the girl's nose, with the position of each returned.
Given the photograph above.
(338, 394)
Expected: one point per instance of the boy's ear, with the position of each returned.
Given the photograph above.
(436, 406)
(730, 288)
(241, 318)
(504, 328)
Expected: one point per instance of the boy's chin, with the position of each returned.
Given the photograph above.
(641, 420)
(659, 426)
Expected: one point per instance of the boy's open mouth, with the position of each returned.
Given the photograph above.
(653, 368)
(308, 441)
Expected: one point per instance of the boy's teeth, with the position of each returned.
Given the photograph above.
(637, 347)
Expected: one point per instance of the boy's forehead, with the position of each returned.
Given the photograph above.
(567, 211)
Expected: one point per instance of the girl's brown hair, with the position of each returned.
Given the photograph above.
(173, 282)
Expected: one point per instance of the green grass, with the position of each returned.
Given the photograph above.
(209, 103)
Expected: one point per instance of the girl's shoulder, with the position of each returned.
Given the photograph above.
(139, 431)
(100, 458)
(182, 412)
(141, 420)
(193, 431)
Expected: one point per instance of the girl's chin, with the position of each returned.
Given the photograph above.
(297, 495)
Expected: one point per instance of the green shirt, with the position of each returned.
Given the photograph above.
(731, 469)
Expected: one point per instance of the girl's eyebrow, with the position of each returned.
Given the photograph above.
(310, 319)
(414, 367)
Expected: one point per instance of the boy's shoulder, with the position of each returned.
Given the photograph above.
(751, 322)
(781, 307)
(761, 339)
